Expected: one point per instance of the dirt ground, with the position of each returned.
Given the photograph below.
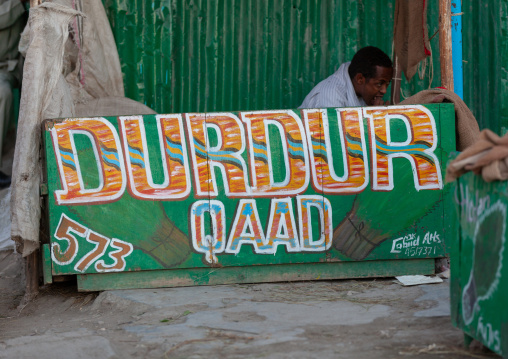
(373, 318)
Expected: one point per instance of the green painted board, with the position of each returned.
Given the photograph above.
(479, 281)
(46, 264)
(235, 189)
(253, 274)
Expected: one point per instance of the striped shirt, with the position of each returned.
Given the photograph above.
(335, 91)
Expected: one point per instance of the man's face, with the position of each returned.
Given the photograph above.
(372, 90)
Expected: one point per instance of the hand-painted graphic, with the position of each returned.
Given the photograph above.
(175, 167)
(64, 232)
(481, 256)
(258, 187)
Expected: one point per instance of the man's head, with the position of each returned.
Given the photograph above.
(371, 72)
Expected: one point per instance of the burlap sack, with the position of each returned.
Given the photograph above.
(488, 156)
(467, 130)
(71, 70)
(411, 39)
(97, 73)
(112, 106)
(45, 95)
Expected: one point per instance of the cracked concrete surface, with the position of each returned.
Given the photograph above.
(373, 318)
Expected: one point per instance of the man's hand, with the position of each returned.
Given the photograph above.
(378, 101)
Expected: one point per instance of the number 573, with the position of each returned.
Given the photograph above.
(66, 231)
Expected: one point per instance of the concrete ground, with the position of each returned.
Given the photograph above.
(374, 318)
(371, 318)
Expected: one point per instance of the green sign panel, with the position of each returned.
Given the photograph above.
(237, 189)
(480, 261)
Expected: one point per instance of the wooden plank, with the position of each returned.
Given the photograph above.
(479, 286)
(455, 257)
(375, 221)
(445, 44)
(253, 274)
(125, 193)
(397, 80)
(46, 264)
(448, 143)
(315, 213)
(32, 275)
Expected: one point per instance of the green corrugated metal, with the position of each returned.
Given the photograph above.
(181, 56)
(485, 55)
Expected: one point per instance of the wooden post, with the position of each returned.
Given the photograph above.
(35, 2)
(396, 82)
(32, 275)
(445, 44)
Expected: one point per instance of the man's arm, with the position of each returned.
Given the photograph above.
(328, 99)
(324, 97)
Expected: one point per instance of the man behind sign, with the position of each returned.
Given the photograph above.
(361, 82)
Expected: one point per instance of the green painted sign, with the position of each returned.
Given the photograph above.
(480, 261)
(236, 189)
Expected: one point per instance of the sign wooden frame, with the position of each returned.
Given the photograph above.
(210, 198)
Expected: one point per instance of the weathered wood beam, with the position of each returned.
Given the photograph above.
(32, 275)
(35, 2)
(445, 44)
(396, 82)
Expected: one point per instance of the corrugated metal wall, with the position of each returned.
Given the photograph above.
(485, 56)
(220, 55)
